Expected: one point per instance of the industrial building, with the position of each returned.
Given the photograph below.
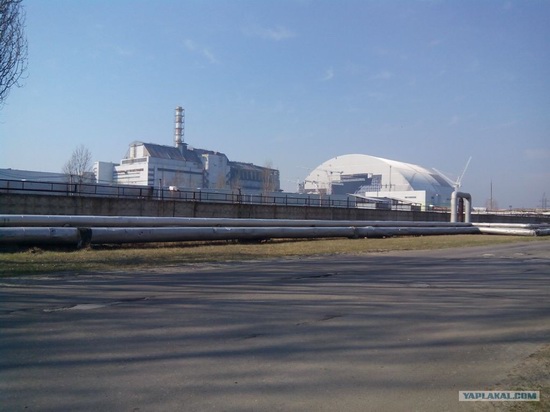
(34, 176)
(182, 166)
(378, 179)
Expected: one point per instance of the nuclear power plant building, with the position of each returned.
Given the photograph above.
(181, 166)
(377, 178)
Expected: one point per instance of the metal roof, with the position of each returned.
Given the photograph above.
(170, 152)
(399, 176)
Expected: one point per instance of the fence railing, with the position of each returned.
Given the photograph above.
(163, 194)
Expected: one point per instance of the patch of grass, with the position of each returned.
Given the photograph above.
(36, 261)
(532, 374)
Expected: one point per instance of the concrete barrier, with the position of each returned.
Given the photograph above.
(83, 205)
(86, 205)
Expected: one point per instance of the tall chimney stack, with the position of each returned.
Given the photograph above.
(179, 128)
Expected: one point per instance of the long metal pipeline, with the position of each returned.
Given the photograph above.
(136, 235)
(99, 235)
(138, 229)
(173, 234)
(137, 221)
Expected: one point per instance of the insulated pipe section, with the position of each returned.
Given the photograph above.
(41, 235)
(175, 234)
(515, 225)
(520, 229)
(135, 221)
(467, 206)
(378, 232)
(514, 231)
(542, 232)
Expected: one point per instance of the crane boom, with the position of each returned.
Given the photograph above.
(459, 180)
(456, 184)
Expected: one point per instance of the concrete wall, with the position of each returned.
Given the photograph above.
(84, 205)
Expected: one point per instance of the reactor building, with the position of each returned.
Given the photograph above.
(182, 166)
(378, 179)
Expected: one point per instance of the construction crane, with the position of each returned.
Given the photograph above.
(458, 182)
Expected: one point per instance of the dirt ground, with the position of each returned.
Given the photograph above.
(532, 374)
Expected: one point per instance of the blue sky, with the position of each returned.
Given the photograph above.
(293, 83)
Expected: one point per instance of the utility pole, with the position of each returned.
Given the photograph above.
(491, 197)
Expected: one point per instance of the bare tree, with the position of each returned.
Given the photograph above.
(13, 46)
(491, 205)
(269, 178)
(79, 167)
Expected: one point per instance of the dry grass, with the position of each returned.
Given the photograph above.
(532, 374)
(37, 261)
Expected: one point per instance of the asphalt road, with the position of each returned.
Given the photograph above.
(380, 332)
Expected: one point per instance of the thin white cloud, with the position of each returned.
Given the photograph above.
(189, 45)
(277, 33)
(454, 120)
(329, 74)
(193, 47)
(209, 56)
(383, 75)
(123, 52)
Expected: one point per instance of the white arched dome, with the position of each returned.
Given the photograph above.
(359, 173)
